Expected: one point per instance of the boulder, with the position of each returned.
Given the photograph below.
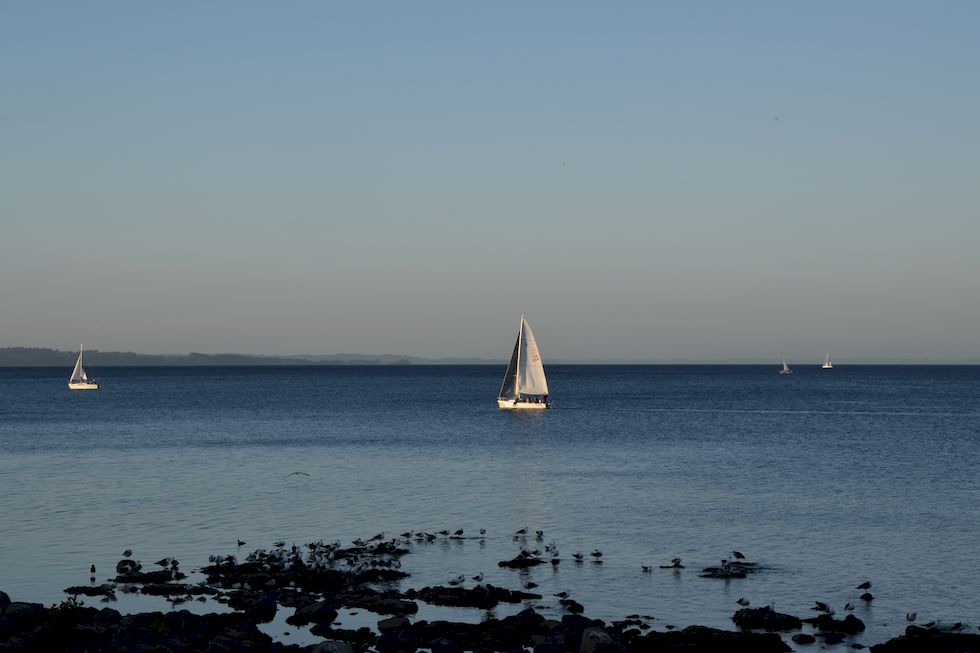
(803, 638)
(765, 618)
(332, 647)
(319, 612)
(595, 640)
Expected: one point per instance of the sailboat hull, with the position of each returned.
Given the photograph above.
(513, 404)
(83, 386)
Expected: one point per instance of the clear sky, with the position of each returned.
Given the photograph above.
(708, 180)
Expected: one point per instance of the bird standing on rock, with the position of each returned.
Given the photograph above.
(744, 602)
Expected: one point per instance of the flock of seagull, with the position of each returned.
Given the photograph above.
(321, 556)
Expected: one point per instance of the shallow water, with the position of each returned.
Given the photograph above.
(827, 478)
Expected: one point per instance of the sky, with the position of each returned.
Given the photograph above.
(649, 181)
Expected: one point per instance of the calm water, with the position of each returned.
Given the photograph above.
(827, 478)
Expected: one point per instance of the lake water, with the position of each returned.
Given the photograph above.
(826, 478)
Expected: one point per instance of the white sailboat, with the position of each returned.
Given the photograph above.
(79, 379)
(785, 369)
(524, 386)
(827, 365)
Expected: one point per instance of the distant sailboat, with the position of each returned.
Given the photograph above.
(827, 365)
(785, 369)
(79, 379)
(524, 386)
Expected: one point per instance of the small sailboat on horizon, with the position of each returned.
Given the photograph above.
(785, 369)
(524, 386)
(827, 365)
(79, 378)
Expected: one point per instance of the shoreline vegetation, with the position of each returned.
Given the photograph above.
(316, 580)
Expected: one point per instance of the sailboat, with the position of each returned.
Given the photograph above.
(827, 365)
(785, 369)
(79, 379)
(524, 386)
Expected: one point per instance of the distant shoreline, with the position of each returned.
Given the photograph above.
(46, 357)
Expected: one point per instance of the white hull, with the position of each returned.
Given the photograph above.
(827, 366)
(511, 404)
(83, 386)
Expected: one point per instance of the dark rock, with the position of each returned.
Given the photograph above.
(867, 596)
(833, 638)
(521, 561)
(765, 618)
(392, 623)
(106, 589)
(444, 645)
(260, 606)
(700, 639)
(573, 606)
(319, 612)
(804, 638)
(849, 625)
(4, 601)
(483, 597)
(929, 640)
(332, 647)
(596, 640)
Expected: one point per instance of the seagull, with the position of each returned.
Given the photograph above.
(848, 607)
(522, 531)
(910, 616)
(241, 542)
(443, 532)
(483, 531)
(529, 585)
(539, 534)
(128, 553)
(866, 585)
(743, 602)
(738, 555)
(298, 474)
(479, 577)
(458, 533)
(578, 556)
(645, 568)
(820, 606)
(456, 581)
(562, 594)
(91, 569)
(596, 553)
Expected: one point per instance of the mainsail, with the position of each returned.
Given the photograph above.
(531, 379)
(78, 374)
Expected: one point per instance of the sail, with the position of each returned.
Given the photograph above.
(531, 379)
(508, 389)
(78, 374)
(826, 359)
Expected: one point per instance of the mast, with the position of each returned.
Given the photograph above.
(517, 370)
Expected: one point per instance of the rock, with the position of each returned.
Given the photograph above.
(918, 640)
(259, 606)
(106, 589)
(444, 645)
(319, 612)
(392, 623)
(332, 647)
(765, 618)
(849, 625)
(701, 638)
(521, 561)
(833, 638)
(804, 638)
(4, 601)
(595, 640)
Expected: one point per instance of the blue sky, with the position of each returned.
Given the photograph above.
(705, 180)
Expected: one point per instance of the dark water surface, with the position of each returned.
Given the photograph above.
(828, 478)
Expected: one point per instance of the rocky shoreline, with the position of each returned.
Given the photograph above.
(316, 580)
